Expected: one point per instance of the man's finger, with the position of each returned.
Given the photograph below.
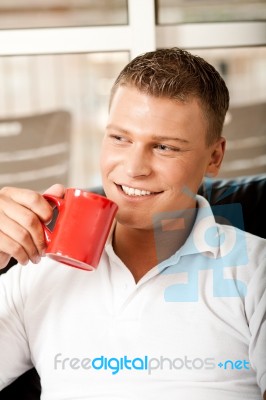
(29, 199)
(56, 190)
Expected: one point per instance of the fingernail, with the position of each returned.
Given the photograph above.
(42, 254)
(37, 259)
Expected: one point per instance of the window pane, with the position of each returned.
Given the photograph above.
(243, 69)
(58, 13)
(180, 11)
(79, 84)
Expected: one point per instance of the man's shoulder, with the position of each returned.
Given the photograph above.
(247, 236)
(231, 228)
(243, 242)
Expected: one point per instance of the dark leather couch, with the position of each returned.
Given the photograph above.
(240, 202)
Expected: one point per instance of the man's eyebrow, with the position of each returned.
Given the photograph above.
(162, 138)
(116, 128)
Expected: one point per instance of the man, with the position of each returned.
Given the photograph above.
(175, 308)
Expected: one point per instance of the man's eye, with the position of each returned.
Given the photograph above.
(118, 138)
(164, 148)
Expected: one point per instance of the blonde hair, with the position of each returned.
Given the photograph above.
(179, 75)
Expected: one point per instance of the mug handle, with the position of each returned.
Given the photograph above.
(59, 202)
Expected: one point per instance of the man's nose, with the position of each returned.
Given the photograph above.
(137, 162)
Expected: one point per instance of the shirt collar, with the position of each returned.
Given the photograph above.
(203, 238)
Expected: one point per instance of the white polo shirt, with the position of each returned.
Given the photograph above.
(191, 328)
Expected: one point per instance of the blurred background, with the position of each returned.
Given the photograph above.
(59, 58)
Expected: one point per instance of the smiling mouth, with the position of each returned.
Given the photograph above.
(136, 192)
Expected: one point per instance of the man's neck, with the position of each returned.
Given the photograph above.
(141, 250)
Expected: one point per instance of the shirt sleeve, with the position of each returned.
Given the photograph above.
(14, 348)
(255, 305)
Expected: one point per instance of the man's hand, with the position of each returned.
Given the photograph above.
(21, 232)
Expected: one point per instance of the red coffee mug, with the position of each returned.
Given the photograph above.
(81, 229)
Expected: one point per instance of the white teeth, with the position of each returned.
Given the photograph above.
(134, 192)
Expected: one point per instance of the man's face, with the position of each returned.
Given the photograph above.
(154, 152)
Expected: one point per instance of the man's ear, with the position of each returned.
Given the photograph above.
(216, 157)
